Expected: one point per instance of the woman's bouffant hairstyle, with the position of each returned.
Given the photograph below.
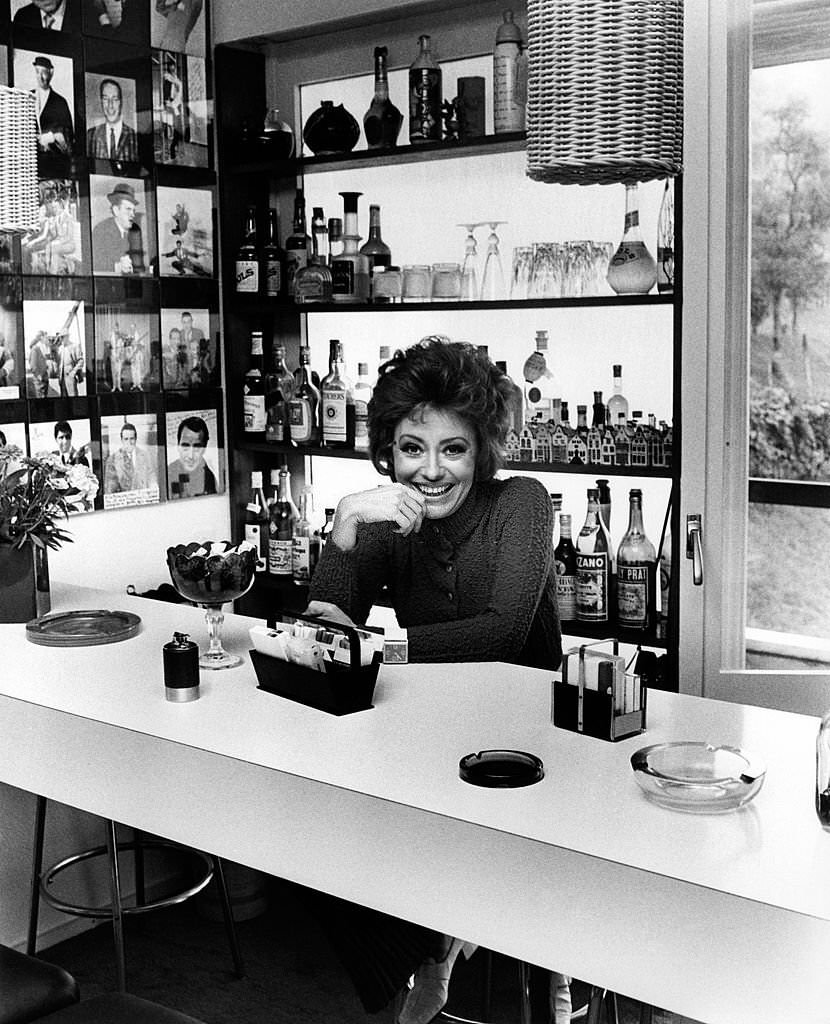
(449, 375)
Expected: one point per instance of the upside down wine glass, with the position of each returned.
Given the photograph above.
(211, 574)
(469, 268)
(492, 285)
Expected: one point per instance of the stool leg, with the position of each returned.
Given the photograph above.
(611, 1007)
(138, 835)
(646, 1013)
(37, 868)
(595, 1004)
(227, 914)
(524, 992)
(486, 995)
(117, 910)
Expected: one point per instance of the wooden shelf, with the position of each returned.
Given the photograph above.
(258, 304)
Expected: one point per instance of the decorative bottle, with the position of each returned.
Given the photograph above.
(636, 571)
(313, 282)
(508, 105)
(633, 269)
(279, 388)
(382, 121)
(425, 95)
(593, 566)
(665, 240)
(247, 257)
(565, 559)
(350, 270)
(253, 393)
(297, 245)
(540, 384)
(272, 258)
(256, 521)
(304, 407)
(823, 772)
(617, 403)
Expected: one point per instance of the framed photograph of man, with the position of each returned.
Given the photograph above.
(57, 332)
(189, 357)
(112, 122)
(12, 363)
(52, 79)
(179, 25)
(182, 110)
(59, 243)
(13, 426)
(46, 16)
(122, 21)
(185, 231)
(131, 456)
(195, 458)
(62, 430)
(123, 226)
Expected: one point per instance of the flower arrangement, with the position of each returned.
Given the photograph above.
(32, 499)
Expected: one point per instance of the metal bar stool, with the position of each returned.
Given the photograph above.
(209, 868)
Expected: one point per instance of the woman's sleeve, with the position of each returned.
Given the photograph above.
(517, 581)
(354, 579)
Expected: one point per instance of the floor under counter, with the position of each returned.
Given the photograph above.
(180, 957)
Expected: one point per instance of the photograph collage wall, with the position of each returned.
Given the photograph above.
(109, 307)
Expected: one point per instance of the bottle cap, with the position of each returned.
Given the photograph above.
(508, 31)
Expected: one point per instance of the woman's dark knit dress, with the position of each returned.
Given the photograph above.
(479, 585)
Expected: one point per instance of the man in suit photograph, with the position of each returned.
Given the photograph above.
(117, 244)
(55, 128)
(51, 15)
(112, 139)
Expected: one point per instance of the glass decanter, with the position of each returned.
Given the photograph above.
(633, 269)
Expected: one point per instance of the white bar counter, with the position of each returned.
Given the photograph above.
(724, 918)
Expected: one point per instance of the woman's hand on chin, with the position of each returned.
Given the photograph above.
(389, 503)
(327, 610)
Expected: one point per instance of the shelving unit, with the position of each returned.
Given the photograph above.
(247, 180)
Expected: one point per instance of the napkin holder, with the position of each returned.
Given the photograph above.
(613, 711)
(340, 690)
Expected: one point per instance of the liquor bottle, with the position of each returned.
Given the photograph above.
(301, 540)
(279, 388)
(632, 268)
(362, 394)
(604, 499)
(823, 772)
(566, 420)
(297, 245)
(384, 354)
(556, 502)
(327, 527)
(253, 393)
(540, 384)
(350, 269)
(376, 251)
(598, 411)
(508, 105)
(565, 559)
(665, 559)
(304, 406)
(382, 121)
(636, 571)
(247, 257)
(273, 258)
(516, 401)
(256, 521)
(617, 403)
(335, 234)
(593, 566)
(281, 529)
(425, 95)
(333, 391)
(312, 283)
(665, 240)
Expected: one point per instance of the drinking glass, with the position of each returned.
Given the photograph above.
(492, 285)
(470, 267)
(546, 277)
(522, 272)
(417, 284)
(446, 282)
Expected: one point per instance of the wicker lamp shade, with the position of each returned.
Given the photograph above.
(605, 90)
(18, 160)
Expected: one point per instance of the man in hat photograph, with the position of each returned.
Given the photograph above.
(51, 15)
(117, 243)
(54, 118)
(112, 139)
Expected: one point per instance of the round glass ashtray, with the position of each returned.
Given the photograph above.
(698, 777)
(501, 769)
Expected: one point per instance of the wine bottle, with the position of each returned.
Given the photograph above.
(281, 529)
(425, 95)
(376, 251)
(382, 121)
(304, 406)
(279, 388)
(256, 521)
(565, 560)
(253, 393)
(593, 566)
(632, 268)
(273, 258)
(297, 245)
(604, 501)
(636, 571)
(247, 257)
(665, 240)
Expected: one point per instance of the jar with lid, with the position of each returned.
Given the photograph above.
(387, 284)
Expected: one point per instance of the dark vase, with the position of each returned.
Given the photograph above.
(276, 139)
(331, 129)
(24, 583)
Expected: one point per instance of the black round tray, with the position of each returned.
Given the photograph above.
(501, 769)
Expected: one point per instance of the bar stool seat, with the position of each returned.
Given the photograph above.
(118, 1008)
(208, 869)
(31, 988)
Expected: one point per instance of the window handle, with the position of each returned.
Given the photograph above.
(694, 547)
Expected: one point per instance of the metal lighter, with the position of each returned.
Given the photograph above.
(181, 669)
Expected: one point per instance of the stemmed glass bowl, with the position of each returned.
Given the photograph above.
(210, 574)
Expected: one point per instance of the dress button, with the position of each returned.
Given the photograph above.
(449, 568)
(450, 595)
